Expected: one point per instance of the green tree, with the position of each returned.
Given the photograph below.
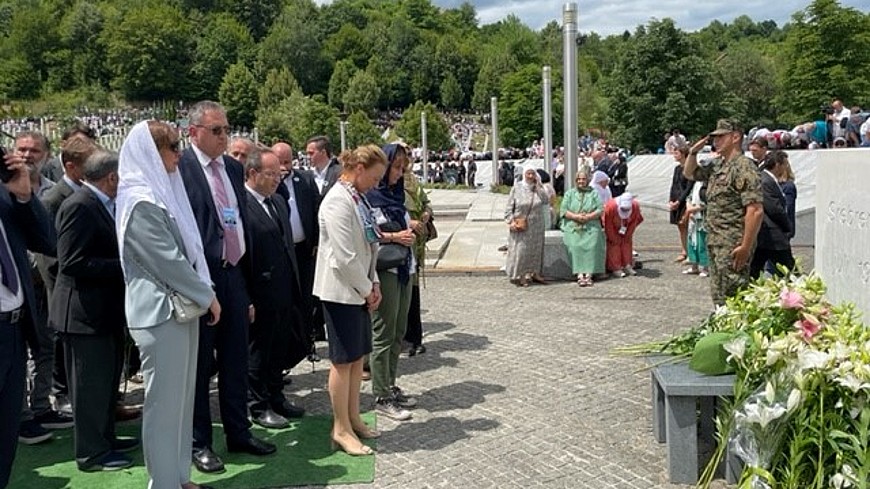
(16, 80)
(294, 42)
(238, 95)
(488, 84)
(660, 82)
(34, 36)
(222, 43)
(256, 15)
(339, 82)
(437, 131)
(360, 130)
(80, 32)
(749, 79)
(521, 113)
(362, 92)
(297, 118)
(452, 95)
(424, 73)
(149, 52)
(349, 43)
(458, 57)
(826, 49)
(279, 85)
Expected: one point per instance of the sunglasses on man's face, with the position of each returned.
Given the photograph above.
(216, 130)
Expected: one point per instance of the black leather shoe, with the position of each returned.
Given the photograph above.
(108, 462)
(125, 445)
(271, 419)
(252, 446)
(289, 410)
(207, 462)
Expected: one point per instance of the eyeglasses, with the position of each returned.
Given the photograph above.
(175, 147)
(216, 130)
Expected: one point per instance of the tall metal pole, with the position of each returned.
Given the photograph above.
(424, 139)
(342, 125)
(494, 109)
(548, 122)
(569, 85)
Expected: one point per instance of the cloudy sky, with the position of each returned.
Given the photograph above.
(615, 16)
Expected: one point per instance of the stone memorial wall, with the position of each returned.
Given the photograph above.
(842, 254)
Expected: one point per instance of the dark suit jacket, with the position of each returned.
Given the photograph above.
(307, 203)
(202, 203)
(88, 297)
(274, 272)
(333, 170)
(27, 228)
(52, 200)
(775, 228)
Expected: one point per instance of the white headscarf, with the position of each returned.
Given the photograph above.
(143, 178)
(527, 167)
(598, 178)
(624, 205)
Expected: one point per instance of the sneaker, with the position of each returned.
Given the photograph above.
(629, 270)
(30, 433)
(704, 273)
(400, 397)
(391, 409)
(54, 420)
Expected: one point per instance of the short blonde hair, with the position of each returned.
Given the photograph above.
(368, 156)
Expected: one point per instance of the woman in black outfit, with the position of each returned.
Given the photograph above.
(680, 190)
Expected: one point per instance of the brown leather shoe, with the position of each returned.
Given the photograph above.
(127, 413)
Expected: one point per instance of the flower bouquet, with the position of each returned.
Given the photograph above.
(800, 416)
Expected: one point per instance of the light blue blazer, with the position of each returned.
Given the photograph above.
(153, 241)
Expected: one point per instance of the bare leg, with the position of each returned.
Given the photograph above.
(684, 233)
(340, 381)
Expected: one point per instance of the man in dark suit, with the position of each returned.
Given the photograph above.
(324, 167)
(276, 336)
(215, 188)
(24, 225)
(76, 150)
(303, 198)
(87, 310)
(772, 243)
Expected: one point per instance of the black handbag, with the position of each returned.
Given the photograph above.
(391, 255)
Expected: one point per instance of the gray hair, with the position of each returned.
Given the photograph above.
(36, 136)
(251, 144)
(255, 160)
(197, 112)
(100, 164)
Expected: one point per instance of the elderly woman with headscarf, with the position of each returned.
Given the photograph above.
(161, 253)
(525, 216)
(600, 182)
(391, 318)
(581, 229)
(621, 218)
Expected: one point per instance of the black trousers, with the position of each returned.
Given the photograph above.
(277, 341)
(13, 358)
(94, 368)
(223, 348)
(414, 333)
(775, 257)
(310, 309)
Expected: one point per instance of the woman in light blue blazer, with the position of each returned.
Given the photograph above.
(346, 281)
(161, 251)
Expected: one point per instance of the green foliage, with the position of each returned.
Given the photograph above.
(349, 43)
(148, 52)
(256, 15)
(339, 82)
(360, 130)
(294, 42)
(827, 47)
(521, 108)
(437, 132)
(279, 85)
(224, 41)
(238, 94)
(16, 79)
(362, 92)
(452, 95)
(297, 118)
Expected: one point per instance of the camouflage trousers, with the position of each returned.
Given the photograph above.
(724, 281)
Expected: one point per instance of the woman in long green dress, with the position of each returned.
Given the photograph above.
(581, 229)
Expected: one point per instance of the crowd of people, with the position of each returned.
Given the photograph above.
(222, 260)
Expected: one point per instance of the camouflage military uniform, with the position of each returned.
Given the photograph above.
(731, 186)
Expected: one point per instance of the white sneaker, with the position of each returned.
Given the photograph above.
(629, 271)
(391, 409)
(704, 273)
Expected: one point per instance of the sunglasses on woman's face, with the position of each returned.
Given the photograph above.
(175, 147)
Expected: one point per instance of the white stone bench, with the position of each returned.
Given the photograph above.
(682, 402)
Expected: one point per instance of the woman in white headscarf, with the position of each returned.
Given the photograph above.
(524, 215)
(161, 253)
(600, 182)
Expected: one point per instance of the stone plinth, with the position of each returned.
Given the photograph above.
(557, 265)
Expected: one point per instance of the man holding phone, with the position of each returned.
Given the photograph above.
(24, 225)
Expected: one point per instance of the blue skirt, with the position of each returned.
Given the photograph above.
(349, 331)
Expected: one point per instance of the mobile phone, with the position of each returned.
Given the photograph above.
(5, 173)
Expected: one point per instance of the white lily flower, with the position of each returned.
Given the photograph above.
(755, 413)
(772, 357)
(736, 347)
(841, 351)
(769, 393)
(794, 400)
(851, 382)
(809, 359)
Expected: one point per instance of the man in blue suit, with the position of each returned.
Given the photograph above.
(24, 225)
(215, 187)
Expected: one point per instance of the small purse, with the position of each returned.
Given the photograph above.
(184, 309)
(521, 224)
(392, 255)
(431, 231)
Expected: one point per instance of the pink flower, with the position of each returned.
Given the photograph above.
(808, 327)
(791, 300)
